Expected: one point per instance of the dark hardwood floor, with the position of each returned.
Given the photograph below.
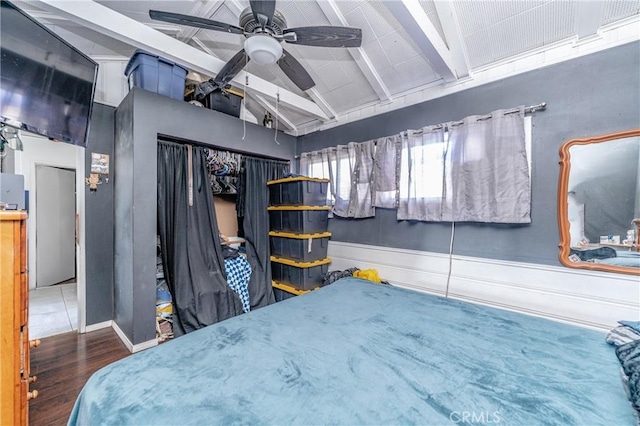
(63, 364)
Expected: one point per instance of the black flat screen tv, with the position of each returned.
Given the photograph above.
(46, 85)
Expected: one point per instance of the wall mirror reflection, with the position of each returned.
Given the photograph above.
(599, 203)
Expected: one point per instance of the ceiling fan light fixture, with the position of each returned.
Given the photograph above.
(263, 49)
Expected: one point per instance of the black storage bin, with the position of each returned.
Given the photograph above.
(298, 191)
(299, 247)
(299, 219)
(299, 275)
(281, 295)
(224, 101)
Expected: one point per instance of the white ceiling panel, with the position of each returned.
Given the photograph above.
(389, 64)
(380, 19)
(142, 7)
(347, 6)
(313, 54)
(289, 113)
(397, 48)
(429, 8)
(302, 13)
(226, 15)
(377, 55)
(273, 74)
(477, 15)
(478, 48)
(351, 95)
(559, 21)
(533, 28)
(356, 18)
(293, 15)
(620, 9)
(334, 77)
(224, 46)
(408, 75)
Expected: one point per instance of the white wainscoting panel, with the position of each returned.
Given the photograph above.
(586, 298)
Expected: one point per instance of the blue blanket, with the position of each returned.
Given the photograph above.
(361, 353)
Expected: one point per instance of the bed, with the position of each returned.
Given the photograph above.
(356, 352)
(623, 258)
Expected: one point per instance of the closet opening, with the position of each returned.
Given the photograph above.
(213, 247)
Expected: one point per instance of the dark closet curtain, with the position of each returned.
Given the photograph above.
(254, 196)
(191, 250)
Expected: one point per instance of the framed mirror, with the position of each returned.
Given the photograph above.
(599, 203)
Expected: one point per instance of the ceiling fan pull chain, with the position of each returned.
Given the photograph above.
(275, 138)
(244, 98)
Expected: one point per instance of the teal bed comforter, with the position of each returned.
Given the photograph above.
(361, 353)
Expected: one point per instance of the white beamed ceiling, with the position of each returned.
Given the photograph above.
(412, 50)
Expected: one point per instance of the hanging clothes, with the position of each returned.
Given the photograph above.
(253, 201)
(224, 171)
(192, 254)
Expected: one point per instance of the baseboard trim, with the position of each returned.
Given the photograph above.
(133, 348)
(589, 299)
(98, 326)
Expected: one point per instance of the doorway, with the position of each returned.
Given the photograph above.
(55, 225)
(53, 303)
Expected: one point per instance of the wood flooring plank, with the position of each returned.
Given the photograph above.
(63, 365)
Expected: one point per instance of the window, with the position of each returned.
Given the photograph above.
(475, 170)
(348, 168)
(431, 159)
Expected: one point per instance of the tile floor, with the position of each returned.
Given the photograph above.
(53, 310)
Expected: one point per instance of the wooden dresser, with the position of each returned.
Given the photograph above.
(14, 333)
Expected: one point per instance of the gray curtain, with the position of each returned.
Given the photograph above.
(489, 170)
(385, 171)
(422, 180)
(349, 169)
(479, 173)
(255, 200)
(191, 250)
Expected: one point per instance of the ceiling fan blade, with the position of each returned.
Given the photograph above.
(231, 68)
(194, 21)
(263, 11)
(326, 36)
(295, 71)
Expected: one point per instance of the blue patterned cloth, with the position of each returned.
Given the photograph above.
(238, 273)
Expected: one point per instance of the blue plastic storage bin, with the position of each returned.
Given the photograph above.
(156, 74)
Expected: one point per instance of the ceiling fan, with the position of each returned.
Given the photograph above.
(265, 28)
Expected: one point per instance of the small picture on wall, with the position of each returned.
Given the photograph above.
(99, 163)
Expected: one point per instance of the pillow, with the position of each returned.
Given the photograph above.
(622, 335)
(631, 324)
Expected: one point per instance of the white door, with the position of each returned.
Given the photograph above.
(55, 225)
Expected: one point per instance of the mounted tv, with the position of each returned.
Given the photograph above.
(46, 85)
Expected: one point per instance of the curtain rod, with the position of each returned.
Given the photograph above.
(533, 108)
(180, 141)
(527, 110)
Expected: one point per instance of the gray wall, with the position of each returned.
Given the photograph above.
(99, 221)
(591, 95)
(140, 118)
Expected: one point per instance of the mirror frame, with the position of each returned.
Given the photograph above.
(563, 204)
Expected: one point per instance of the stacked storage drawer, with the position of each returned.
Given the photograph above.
(298, 219)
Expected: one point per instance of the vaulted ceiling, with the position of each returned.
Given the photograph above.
(412, 50)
